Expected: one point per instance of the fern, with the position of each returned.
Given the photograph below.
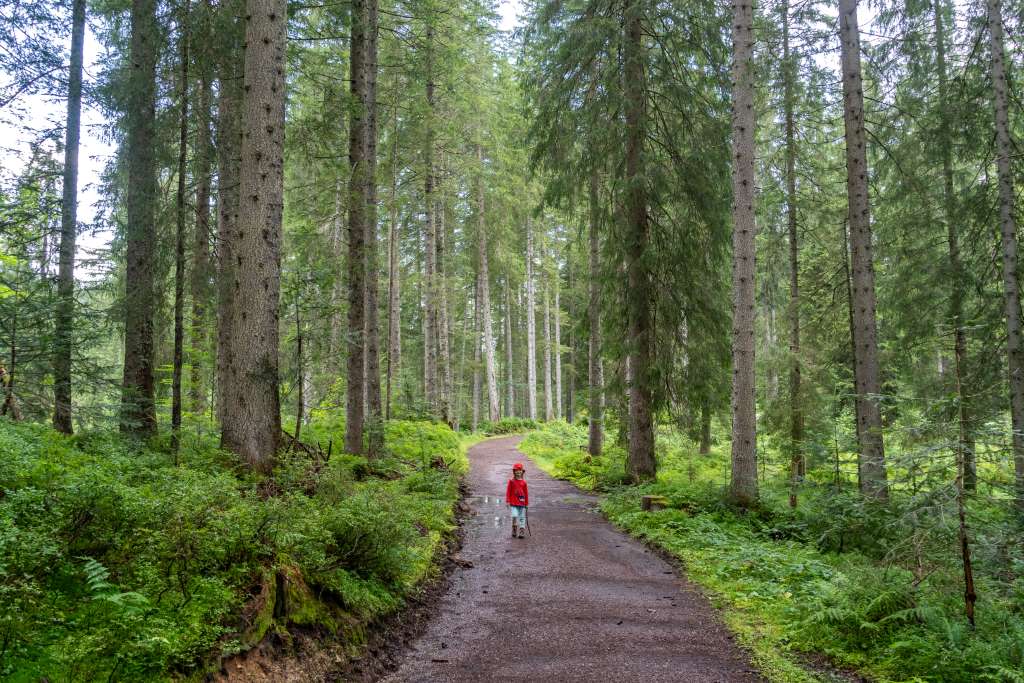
(96, 576)
(1000, 674)
(101, 589)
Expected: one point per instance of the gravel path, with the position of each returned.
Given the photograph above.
(576, 601)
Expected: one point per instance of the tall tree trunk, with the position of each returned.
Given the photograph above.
(459, 402)
(956, 306)
(549, 409)
(743, 489)
(853, 345)
(394, 371)
(595, 370)
(201, 249)
(64, 323)
(705, 427)
(300, 403)
(531, 329)
(252, 417)
(865, 333)
(626, 372)
(430, 331)
(970, 596)
(570, 394)
(796, 415)
(640, 465)
(10, 406)
(1008, 223)
(357, 210)
(557, 351)
(476, 354)
(493, 406)
(771, 329)
(509, 362)
(229, 140)
(138, 407)
(337, 241)
(375, 416)
(179, 236)
(444, 360)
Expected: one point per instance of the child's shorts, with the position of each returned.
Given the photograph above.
(518, 513)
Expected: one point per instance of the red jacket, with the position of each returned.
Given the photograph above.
(516, 493)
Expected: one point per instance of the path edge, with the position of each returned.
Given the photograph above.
(774, 667)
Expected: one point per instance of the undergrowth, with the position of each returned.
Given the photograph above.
(117, 564)
(873, 588)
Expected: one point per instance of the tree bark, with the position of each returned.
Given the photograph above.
(179, 236)
(430, 330)
(300, 403)
(570, 391)
(64, 320)
(476, 354)
(595, 370)
(394, 371)
(252, 418)
(640, 465)
(337, 242)
(201, 249)
(705, 427)
(10, 406)
(138, 408)
(484, 288)
(375, 416)
(557, 351)
(797, 468)
(743, 487)
(531, 329)
(357, 210)
(1008, 224)
(444, 359)
(229, 139)
(549, 409)
(853, 345)
(509, 361)
(865, 334)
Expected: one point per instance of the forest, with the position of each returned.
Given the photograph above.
(754, 263)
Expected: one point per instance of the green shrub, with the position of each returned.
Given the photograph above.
(115, 564)
(508, 425)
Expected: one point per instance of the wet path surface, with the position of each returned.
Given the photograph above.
(576, 601)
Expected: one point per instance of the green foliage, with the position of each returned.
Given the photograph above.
(509, 425)
(117, 565)
(836, 576)
(560, 450)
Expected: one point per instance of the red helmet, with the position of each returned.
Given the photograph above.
(518, 466)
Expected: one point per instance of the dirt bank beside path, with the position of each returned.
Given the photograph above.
(576, 601)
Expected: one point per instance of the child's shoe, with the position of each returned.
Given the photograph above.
(514, 529)
(522, 533)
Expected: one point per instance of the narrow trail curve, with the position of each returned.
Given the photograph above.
(576, 601)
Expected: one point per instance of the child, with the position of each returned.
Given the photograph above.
(518, 499)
